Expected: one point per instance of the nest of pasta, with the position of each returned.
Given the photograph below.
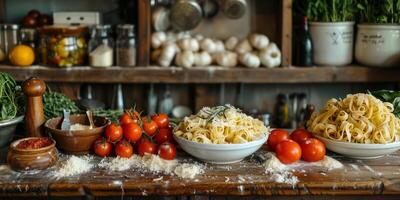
(358, 118)
(221, 125)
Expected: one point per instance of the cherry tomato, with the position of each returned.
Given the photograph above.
(313, 150)
(288, 151)
(161, 120)
(146, 146)
(276, 137)
(125, 119)
(132, 132)
(300, 135)
(149, 126)
(167, 151)
(163, 135)
(113, 132)
(123, 149)
(101, 147)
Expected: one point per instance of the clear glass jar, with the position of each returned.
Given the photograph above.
(126, 45)
(9, 37)
(101, 47)
(63, 46)
(28, 36)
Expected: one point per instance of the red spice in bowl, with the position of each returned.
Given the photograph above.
(34, 143)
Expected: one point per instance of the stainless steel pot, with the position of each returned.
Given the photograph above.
(185, 14)
(233, 9)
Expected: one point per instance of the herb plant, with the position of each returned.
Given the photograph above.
(328, 10)
(11, 102)
(391, 97)
(379, 11)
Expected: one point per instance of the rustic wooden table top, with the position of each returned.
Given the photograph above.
(369, 178)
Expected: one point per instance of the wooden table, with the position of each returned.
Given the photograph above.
(371, 179)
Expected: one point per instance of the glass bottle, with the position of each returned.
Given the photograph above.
(126, 45)
(10, 37)
(281, 112)
(101, 47)
(302, 44)
(29, 37)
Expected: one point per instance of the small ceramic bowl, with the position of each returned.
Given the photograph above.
(29, 159)
(359, 151)
(220, 153)
(78, 141)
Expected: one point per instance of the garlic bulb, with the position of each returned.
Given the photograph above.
(208, 45)
(167, 55)
(219, 46)
(231, 43)
(226, 59)
(243, 47)
(249, 60)
(271, 56)
(189, 44)
(199, 37)
(160, 19)
(182, 35)
(157, 39)
(171, 36)
(259, 41)
(185, 59)
(202, 59)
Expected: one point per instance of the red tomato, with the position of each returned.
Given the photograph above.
(288, 151)
(113, 132)
(101, 147)
(146, 146)
(163, 135)
(125, 119)
(132, 132)
(123, 149)
(313, 150)
(275, 137)
(167, 151)
(161, 120)
(149, 126)
(300, 135)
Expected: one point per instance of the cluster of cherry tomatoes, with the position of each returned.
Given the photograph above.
(140, 134)
(299, 144)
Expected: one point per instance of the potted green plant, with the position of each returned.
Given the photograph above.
(332, 29)
(378, 36)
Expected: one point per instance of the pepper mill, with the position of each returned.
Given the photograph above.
(33, 89)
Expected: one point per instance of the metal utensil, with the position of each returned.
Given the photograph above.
(167, 103)
(233, 9)
(185, 14)
(66, 124)
(90, 117)
(118, 98)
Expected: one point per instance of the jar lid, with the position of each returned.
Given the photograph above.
(126, 29)
(10, 26)
(63, 29)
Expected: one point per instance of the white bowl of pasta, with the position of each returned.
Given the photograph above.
(222, 134)
(359, 151)
(220, 153)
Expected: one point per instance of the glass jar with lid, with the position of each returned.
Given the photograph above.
(126, 45)
(28, 36)
(101, 47)
(63, 46)
(9, 38)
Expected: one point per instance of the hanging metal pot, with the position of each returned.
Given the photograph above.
(185, 14)
(233, 9)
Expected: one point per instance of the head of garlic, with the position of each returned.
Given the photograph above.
(184, 59)
(250, 60)
(270, 56)
(226, 59)
(243, 47)
(208, 45)
(167, 54)
(231, 42)
(219, 46)
(189, 44)
(157, 39)
(202, 59)
(259, 41)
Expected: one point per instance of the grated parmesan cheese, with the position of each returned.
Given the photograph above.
(73, 166)
(186, 170)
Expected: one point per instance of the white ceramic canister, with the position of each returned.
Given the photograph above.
(378, 45)
(333, 42)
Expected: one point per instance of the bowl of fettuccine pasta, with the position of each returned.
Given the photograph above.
(358, 126)
(221, 134)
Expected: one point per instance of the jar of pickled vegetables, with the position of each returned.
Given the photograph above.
(63, 46)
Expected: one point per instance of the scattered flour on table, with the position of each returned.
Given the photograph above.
(153, 163)
(282, 173)
(74, 165)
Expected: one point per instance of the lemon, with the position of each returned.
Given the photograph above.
(22, 55)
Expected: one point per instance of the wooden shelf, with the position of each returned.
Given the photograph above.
(155, 74)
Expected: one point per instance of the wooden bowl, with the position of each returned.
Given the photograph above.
(79, 141)
(28, 159)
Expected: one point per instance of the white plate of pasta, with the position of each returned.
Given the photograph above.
(358, 126)
(221, 134)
